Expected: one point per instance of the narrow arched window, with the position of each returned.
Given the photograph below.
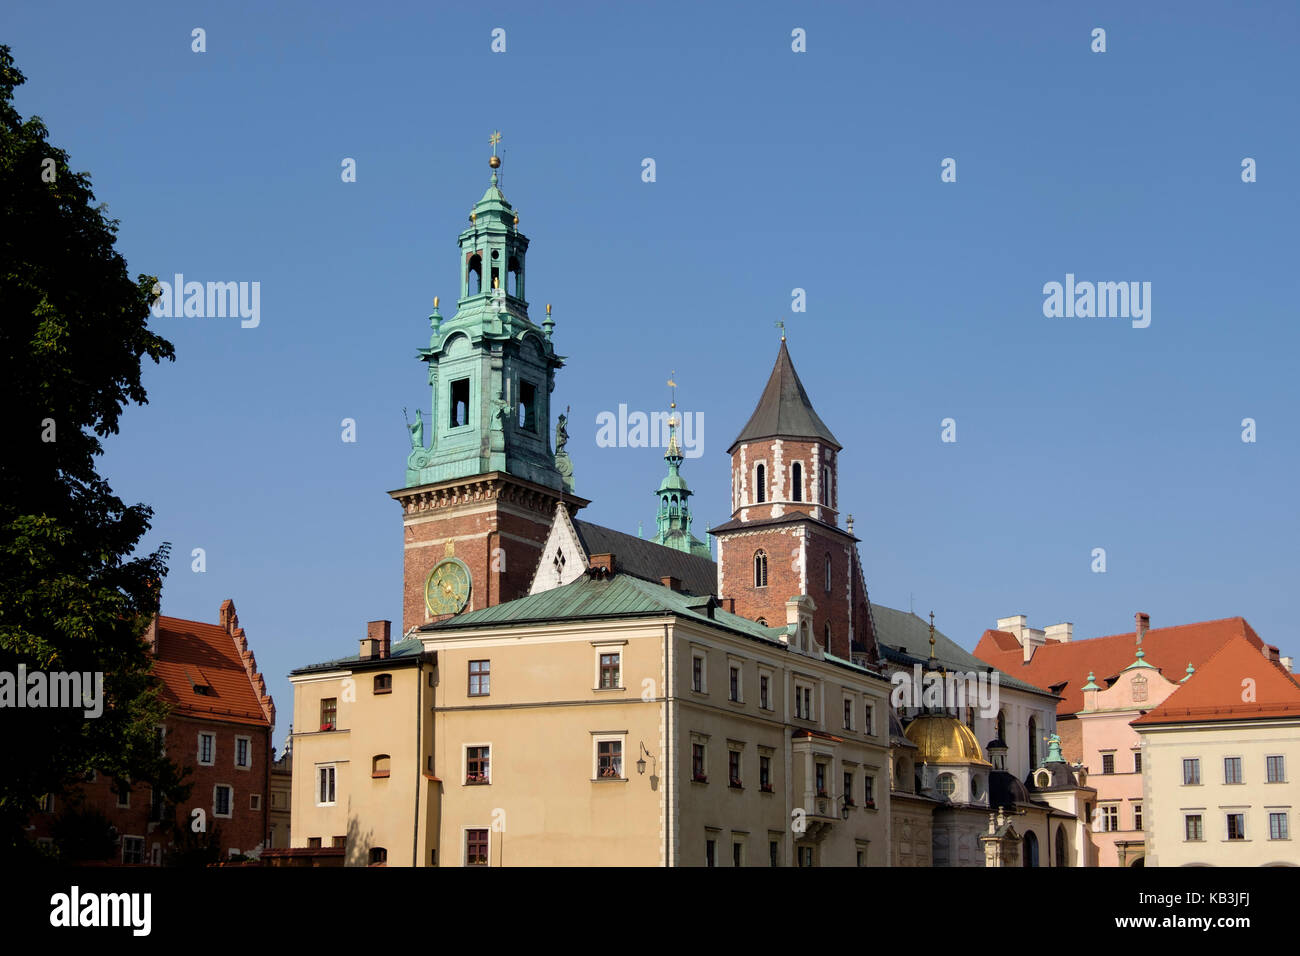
(1033, 742)
(827, 635)
(828, 573)
(796, 482)
(760, 484)
(474, 275)
(760, 569)
(1002, 727)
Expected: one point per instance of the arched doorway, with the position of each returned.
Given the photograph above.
(1030, 855)
(1062, 852)
(1140, 861)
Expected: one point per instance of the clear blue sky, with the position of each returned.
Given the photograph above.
(775, 170)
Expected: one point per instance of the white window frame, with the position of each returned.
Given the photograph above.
(597, 738)
(702, 655)
(464, 844)
(144, 858)
(248, 742)
(771, 689)
(754, 483)
(852, 711)
(739, 665)
(230, 806)
(124, 798)
(213, 760)
(869, 719)
(464, 764)
(333, 769)
(609, 647)
(1286, 823)
(255, 797)
(1282, 758)
(800, 687)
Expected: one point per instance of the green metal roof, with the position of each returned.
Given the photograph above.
(411, 647)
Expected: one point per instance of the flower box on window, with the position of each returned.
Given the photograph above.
(326, 726)
(734, 782)
(766, 788)
(699, 778)
(476, 778)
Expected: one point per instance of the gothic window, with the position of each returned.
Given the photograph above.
(1002, 726)
(474, 275)
(514, 277)
(760, 484)
(828, 573)
(760, 569)
(527, 406)
(796, 482)
(459, 403)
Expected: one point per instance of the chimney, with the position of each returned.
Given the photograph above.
(601, 564)
(151, 635)
(1289, 664)
(729, 605)
(227, 617)
(377, 644)
(1272, 654)
(1059, 632)
(1142, 624)
(671, 583)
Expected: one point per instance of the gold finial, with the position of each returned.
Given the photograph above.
(516, 219)
(548, 308)
(931, 635)
(673, 386)
(471, 216)
(495, 161)
(435, 301)
(781, 325)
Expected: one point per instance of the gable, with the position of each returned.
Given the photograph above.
(563, 557)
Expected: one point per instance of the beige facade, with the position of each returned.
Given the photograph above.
(1188, 823)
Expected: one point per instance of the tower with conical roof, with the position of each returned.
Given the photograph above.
(674, 518)
(784, 538)
(481, 478)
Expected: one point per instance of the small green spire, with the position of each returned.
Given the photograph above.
(1092, 682)
(1190, 671)
(673, 523)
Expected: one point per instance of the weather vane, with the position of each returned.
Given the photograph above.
(780, 324)
(672, 419)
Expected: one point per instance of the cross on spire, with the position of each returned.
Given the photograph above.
(494, 139)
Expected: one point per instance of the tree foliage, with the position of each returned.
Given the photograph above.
(74, 593)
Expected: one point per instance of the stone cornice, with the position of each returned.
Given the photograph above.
(492, 486)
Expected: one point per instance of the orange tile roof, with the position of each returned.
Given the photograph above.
(1216, 691)
(191, 653)
(1170, 649)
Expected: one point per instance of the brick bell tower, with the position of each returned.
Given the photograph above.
(482, 483)
(784, 538)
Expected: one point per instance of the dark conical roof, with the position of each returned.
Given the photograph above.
(784, 410)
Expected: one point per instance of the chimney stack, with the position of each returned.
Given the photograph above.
(151, 636)
(377, 644)
(671, 583)
(601, 564)
(1142, 624)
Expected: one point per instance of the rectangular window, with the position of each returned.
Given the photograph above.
(325, 786)
(1109, 819)
(774, 852)
(132, 849)
(242, 752)
(527, 406)
(1276, 770)
(221, 795)
(821, 780)
(710, 853)
(1277, 827)
(737, 854)
(124, 796)
(476, 847)
(1192, 827)
(1191, 771)
(609, 759)
(255, 801)
(458, 403)
(697, 674)
(848, 714)
(765, 773)
(1137, 816)
(807, 703)
(477, 769)
(733, 683)
(1236, 826)
(480, 678)
(805, 856)
(609, 670)
(1107, 763)
(869, 724)
(870, 789)
(1137, 761)
(697, 763)
(848, 789)
(383, 684)
(1232, 770)
(329, 710)
(207, 749)
(733, 768)
(339, 842)
(763, 700)
(313, 843)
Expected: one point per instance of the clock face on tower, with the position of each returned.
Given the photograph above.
(447, 590)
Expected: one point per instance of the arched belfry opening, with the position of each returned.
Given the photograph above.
(474, 274)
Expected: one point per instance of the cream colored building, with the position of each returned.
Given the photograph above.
(609, 721)
(1220, 763)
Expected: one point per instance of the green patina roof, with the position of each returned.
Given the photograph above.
(595, 598)
(408, 648)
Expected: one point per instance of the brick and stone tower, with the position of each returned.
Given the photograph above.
(480, 496)
(784, 539)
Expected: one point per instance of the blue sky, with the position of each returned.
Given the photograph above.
(775, 171)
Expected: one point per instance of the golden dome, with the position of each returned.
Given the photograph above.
(940, 738)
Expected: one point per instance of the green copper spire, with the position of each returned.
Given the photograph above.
(674, 518)
(1140, 662)
(1092, 682)
(491, 369)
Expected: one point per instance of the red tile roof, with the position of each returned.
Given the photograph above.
(1170, 649)
(1216, 691)
(191, 654)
